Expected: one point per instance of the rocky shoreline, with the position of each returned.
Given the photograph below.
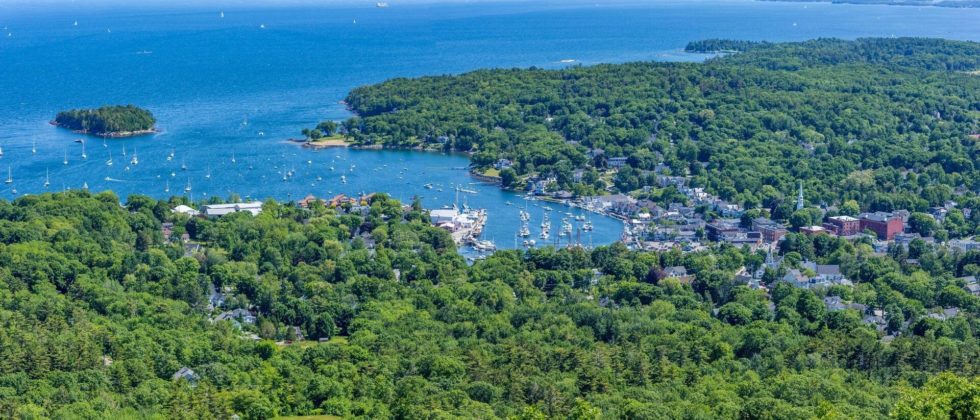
(114, 134)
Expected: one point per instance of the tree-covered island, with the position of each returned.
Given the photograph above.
(108, 121)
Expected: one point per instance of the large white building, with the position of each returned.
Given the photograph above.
(218, 210)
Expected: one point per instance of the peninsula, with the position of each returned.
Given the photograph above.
(108, 121)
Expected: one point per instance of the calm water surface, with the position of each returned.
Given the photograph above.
(204, 76)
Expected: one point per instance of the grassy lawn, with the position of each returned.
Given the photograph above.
(310, 343)
(492, 172)
(334, 137)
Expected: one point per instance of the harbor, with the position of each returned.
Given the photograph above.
(259, 168)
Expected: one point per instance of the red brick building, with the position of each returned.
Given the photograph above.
(885, 225)
(843, 225)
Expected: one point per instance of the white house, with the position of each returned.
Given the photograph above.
(182, 209)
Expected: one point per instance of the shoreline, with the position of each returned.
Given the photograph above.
(112, 135)
(326, 144)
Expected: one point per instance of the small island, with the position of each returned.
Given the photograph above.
(108, 121)
(326, 134)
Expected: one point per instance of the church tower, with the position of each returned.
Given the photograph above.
(799, 198)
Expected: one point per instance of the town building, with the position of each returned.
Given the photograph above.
(771, 230)
(885, 225)
(616, 162)
(813, 230)
(843, 225)
(964, 245)
(309, 200)
(218, 210)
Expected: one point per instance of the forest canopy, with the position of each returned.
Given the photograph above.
(110, 121)
(748, 127)
(110, 311)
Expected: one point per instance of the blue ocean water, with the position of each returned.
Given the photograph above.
(285, 68)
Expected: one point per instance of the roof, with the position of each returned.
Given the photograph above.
(828, 270)
(185, 373)
(844, 218)
(254, 207)
(182, 209)
(443, 213)
(878, 216)
(675, 271)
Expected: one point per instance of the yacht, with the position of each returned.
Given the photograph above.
(484, 246)
(587, 226)
(85, 185)
(381, 4)
(343, 179)
(171, 155)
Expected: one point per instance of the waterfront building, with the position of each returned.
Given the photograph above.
(218, 210)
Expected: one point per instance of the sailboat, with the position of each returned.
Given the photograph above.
(166, 187)
(84, 156)
(10, 176)
(85, 185)
(233, 160)
(222, 15)
(75, 24)
(135, 160)
(65, 162)
(33, 146)
(47, 179)
(109, 162)
(124, 150)
(1, 152)
(208, 174)
(171, 155)
(183, 165)
(188, 187)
